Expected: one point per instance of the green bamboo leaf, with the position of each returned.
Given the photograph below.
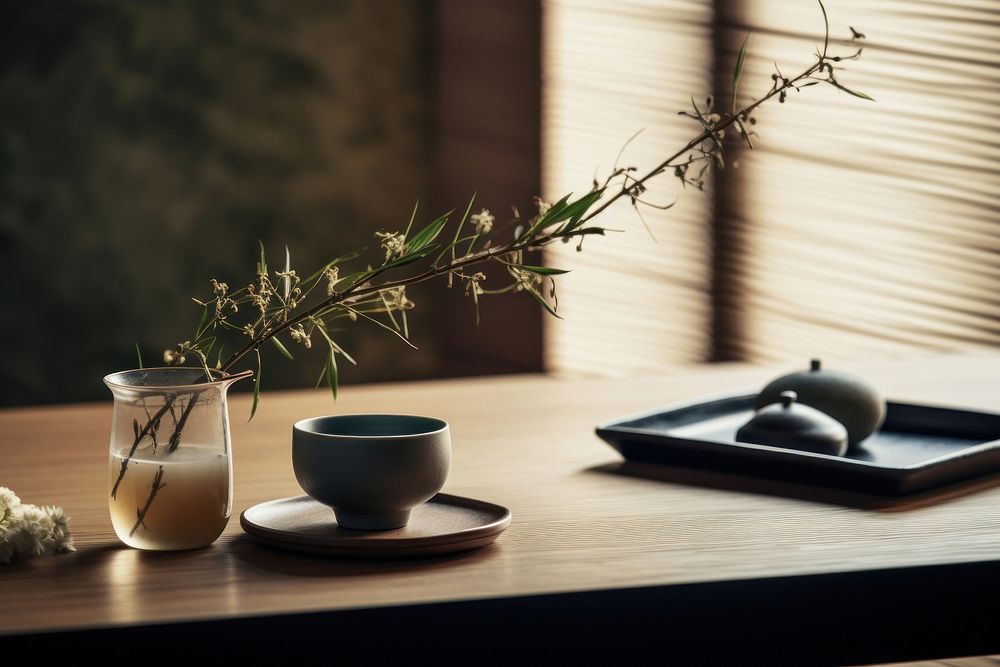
(206, 344)
(541, 300)
(856, 93)
(262, 267)
(738, 72)
(331, 372)
(428, 233)
(548, 218)
(465, 216)
(218, 359)
(201, 322)
(556, 208)
(386, 327)
(256, 389)
(281, 348)
(333, 344)
(542, 270)
(138, 355)
(322, 375)
(575, 211)
(388, 310)
(572, 212)
(287, 288)
(564, 210)
(413, 216)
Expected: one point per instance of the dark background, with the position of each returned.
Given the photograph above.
(145, 147)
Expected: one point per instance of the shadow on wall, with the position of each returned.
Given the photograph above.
(145, 147)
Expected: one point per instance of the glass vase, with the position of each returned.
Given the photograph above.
(170, 472)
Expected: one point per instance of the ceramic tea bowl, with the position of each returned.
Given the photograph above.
(371, 469)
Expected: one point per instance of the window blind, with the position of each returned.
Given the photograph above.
(610, 70)
(868, 229)
(875, 226)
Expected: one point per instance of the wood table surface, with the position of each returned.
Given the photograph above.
(593, 542)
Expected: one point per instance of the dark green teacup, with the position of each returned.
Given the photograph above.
(371, 469)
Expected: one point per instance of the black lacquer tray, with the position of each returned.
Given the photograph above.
(918, 446)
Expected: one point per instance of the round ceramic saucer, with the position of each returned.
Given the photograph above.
(443, 524)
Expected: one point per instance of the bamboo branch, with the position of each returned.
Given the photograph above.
(140, 515)
(153, 423)
(362, 287)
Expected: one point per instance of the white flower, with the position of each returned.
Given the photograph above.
(397, 299)
(524, 280)
(173, 358)
(222, 303)
(219, 288)
(261, 302)
(34, 531)
(473, 285)
(62, 540)
(543, 206)
(483, 221)
(261, 297)
(332, 275)
(8, 502)
(298, 334)
(393, 243)
(29, 532)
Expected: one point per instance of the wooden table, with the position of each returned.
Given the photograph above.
(602, 559)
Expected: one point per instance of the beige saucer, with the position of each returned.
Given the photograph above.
(443, 524)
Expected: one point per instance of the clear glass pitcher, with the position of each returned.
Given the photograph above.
(170, 481)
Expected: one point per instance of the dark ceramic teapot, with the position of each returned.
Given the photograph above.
(795, 426)
(847, 398)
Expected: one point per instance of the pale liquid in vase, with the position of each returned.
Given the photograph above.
(190, 509)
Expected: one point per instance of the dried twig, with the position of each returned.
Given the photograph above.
(140, 514)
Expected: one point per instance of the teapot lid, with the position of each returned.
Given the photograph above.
(794, 425)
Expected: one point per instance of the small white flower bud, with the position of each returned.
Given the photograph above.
(483, 221)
